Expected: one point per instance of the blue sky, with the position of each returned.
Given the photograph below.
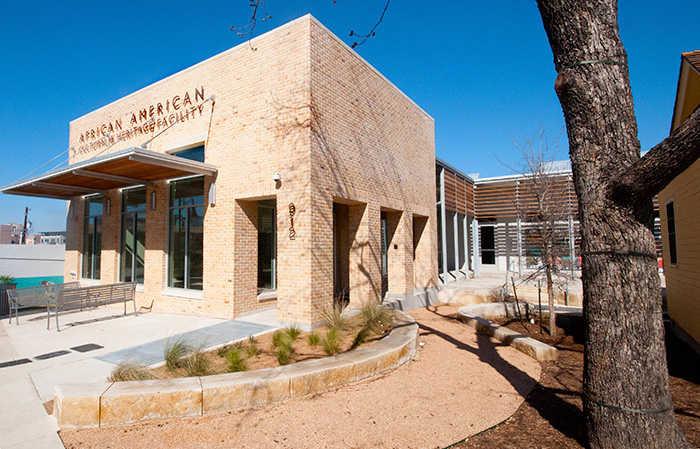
(483, 70)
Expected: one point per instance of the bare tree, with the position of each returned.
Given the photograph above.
(542, 203)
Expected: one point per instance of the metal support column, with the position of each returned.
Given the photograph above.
(476, 262)
(520, 248)
(465, 227)
(519, 230)
(572, 245)
(443, 215)
(455, 236)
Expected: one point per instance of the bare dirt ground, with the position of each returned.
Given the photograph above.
(552, 415)
(460, 384)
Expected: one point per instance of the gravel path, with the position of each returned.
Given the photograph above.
(460, 384)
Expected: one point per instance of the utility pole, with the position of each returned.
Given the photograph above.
(23, 241)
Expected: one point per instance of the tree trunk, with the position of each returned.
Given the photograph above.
(627, 398)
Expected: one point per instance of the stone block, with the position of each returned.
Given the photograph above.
(78, 405)
(318, 375)
(127, 402)
(241, 390)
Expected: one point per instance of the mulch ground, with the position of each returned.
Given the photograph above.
(552, 416)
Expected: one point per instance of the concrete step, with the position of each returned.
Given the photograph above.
(411, 301)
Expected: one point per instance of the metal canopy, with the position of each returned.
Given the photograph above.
(130, 167)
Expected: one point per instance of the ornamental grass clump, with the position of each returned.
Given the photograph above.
(284, 354)
(126, 371)
(282, 342)
(333, 315)
(175, 350)
(361, 336)
(293, 332)
(278, 338)
(331, 342)
(251, 349)
(196, 363)
(236, 360)
(314, 338)
(376, 317)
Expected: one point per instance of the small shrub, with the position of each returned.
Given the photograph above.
(126, 371)
(314, 338)
(284, 354)
(252, 340)
(6, 279)
(331, 342)
(333, 314)
(375, 316)
(175, 349)
(236, 361)
(292, 331)
(360, 337)
(196, 363)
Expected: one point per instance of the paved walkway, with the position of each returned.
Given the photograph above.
(33, 360)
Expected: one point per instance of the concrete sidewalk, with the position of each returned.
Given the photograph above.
(33, 360)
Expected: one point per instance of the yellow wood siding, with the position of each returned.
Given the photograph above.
(683, 279)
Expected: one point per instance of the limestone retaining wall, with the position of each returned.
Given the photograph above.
(476, 317)
(108, 404)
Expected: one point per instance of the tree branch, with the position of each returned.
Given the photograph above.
(371, 33)
(660, 165)
(248, 29)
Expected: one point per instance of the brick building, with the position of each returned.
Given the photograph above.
(284, 176)
(11, 233)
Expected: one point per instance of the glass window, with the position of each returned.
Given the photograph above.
(488, 245)
(196, 154)
(186, 225)
(133, 236)
(671, 225)
(267, 244)
(92, 237)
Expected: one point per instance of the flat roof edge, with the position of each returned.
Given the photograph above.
(495, 179)
(454, 169)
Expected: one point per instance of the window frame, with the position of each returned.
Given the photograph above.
(95, 258)
(273, 255)
(134, 216)
(672, 236)
(169, 259)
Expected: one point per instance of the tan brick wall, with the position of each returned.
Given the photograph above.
(74, 238)
(306, 106)
(375, 149)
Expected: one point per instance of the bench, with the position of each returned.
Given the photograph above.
(24, 298)
(88, 297)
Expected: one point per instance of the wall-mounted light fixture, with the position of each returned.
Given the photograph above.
(277, 177)
(108, 206)
(212, 194)
(153, 200)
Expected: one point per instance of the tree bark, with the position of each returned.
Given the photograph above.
(627, 400)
